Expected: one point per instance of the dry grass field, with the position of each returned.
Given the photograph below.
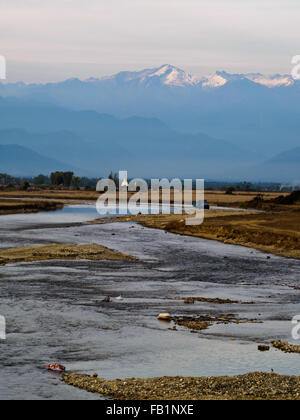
(220, 198)
(23, 206)
(60, 252)
(213, 197)
(62, 195)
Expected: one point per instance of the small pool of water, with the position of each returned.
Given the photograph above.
(76, 214)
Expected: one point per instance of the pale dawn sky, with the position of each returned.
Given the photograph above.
(53, 40)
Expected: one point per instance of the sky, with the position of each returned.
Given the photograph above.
(51, 40)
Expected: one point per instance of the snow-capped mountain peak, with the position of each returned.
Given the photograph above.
(213, 81)
(164, 75)
(220, 78)
(171, 76)
(272, 81)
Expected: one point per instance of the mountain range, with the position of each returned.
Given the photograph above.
(160, 122)
(98, 143)
(20, 161)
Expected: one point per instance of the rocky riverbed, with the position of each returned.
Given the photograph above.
(55, 311)
(252, 386)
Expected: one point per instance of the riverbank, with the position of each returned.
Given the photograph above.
(272, 232)
(60, 252)
(252, 386)
(18, 206)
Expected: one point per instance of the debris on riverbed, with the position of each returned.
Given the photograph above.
(203, 322)
(174, 328)
(56, 367)
(193, 324)
(263, 347)
(209, 300)
(189, 301)
(164, 316)
(286, 347)
(252, 386)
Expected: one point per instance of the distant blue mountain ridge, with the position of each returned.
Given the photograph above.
(98, 143)
(256, 112)
(159, 122)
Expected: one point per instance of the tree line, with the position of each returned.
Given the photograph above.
(55, 179)
(68, 179)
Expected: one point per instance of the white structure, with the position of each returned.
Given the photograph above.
(2, 328)
(2, 67)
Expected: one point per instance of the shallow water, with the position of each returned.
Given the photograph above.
(54, 311)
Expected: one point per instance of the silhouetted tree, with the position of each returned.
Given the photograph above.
(76, 182)
(61, 178)
(67, 178)
(25, 185)
(41, 180)
(115, 178)
(5, 179)
(229, 190)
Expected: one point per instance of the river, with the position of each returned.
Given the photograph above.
(54, 309)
